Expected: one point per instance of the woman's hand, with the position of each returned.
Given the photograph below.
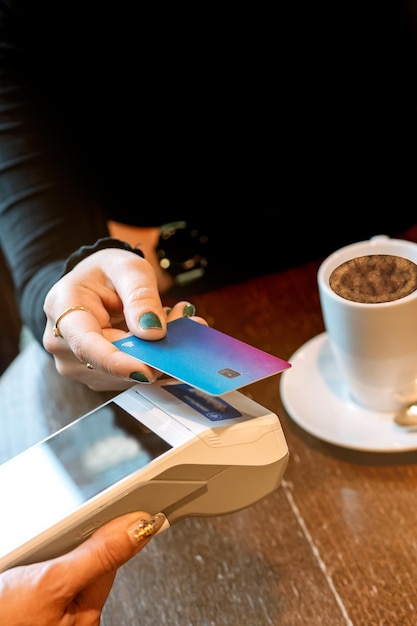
(72, 589)
(105, 297)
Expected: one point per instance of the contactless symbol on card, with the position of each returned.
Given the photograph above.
(127, 344)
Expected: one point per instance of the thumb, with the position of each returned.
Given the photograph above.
(135, 282)
(112, 545)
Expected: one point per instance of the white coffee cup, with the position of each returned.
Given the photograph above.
(374, 344)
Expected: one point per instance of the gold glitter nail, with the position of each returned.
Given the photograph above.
(149, 527)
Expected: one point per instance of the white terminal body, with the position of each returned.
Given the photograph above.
(166, 447)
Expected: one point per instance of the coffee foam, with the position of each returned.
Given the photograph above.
(374, 278)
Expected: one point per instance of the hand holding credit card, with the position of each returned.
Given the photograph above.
(204, 357)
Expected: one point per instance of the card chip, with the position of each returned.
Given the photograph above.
(229, 373)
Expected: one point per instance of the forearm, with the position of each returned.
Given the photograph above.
(39, 229)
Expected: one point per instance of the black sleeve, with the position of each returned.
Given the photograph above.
(44, 214)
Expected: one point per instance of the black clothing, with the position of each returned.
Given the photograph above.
(278, 136)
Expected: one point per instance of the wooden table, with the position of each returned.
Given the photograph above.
(335, 545)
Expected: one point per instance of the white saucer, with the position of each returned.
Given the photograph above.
(315, 396)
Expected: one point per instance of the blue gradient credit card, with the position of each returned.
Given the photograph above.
(204, 357)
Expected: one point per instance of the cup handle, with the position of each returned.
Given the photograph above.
(379, 238)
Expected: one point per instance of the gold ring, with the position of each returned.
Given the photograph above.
(56, 330)
(90, 367)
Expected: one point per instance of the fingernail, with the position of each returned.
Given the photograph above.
(145, 528)
(139, 377)
(188, 310)
(149, 320)
(168, 310)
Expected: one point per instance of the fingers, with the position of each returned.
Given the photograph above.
(89, 356)
(183, 309)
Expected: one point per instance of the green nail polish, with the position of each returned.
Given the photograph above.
(139, 377)
(149, 320)
(188, 310)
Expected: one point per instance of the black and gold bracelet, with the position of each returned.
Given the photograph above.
(101, 244)
(182, 252)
